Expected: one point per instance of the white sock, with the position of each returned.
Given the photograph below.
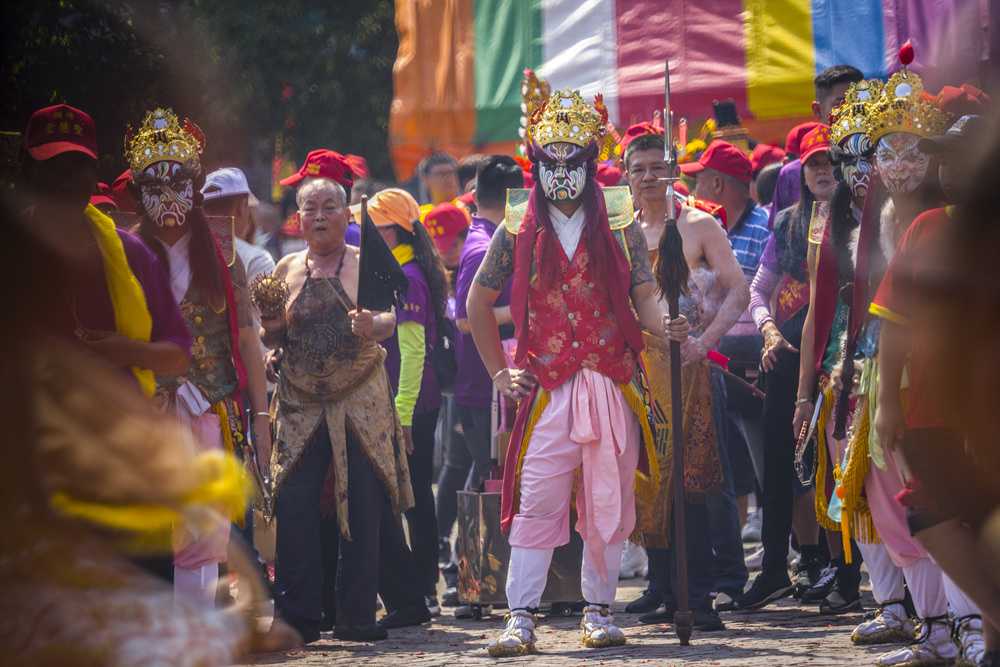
(961, 604)
(526, 575)
(593, 588)
(887, 578)
(924, 578)
(195, 587)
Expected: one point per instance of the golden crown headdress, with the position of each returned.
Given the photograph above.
(534, 93)
(566, 117)
(853, 116)
(902, 109)
(162, 138)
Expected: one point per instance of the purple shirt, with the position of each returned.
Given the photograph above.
(89, 305)
(473, 387)
(415, 307)
(786, 192)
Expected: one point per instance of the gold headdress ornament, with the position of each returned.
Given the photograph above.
(566, 117)
(534, 93)
(853, 116)
(901, 109)
(161, 138)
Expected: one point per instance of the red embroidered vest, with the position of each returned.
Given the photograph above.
(574, 326)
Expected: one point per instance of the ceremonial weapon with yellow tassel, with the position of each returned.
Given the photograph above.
(672, 275)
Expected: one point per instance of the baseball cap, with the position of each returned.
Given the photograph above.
(60, 129)
(358, 165)
(966, 133)
(763, 155)
(638, 130)
(724, 158)
(795, 135)
(391, 206)
(227, 182)
(816, 140)
(323, 164)
(102, 195)
(444, 223)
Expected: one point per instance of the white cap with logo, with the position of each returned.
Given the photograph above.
(227, 182)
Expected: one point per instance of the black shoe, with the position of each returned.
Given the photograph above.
(647, 602)
(450, 598)
(807, 575)
(405, 617)
(726, 599)
(843, 598)
(990, 659)
(707, 620)
(431, 602)
(308, 628)
(662, 614)
(765, 590)
(821, 588)
(360, 632)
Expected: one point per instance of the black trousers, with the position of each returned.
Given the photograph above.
(779, 470)
(299, 566)
(701, 573)
(421, 518)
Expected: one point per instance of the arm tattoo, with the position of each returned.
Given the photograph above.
(244, 318)
(498, 264)
(642, 270)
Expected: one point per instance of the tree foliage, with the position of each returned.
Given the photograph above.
(311, 74)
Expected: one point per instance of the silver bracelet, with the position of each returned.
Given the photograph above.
(497, 374)
(800, 401)
(262, 414)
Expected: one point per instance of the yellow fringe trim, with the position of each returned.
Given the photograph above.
(542, 399)
(822, 455)
(238, 509)
(645, 487)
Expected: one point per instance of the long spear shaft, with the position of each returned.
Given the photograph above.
(683, 618)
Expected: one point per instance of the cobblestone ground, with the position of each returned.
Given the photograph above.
(786, 633)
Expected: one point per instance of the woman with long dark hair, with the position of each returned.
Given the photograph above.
(783, 277)
(418, 394)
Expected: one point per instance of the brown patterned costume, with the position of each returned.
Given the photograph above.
(329, 375)
(702, 467)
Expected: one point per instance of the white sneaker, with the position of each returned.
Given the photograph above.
(755, 559)
(634, 562)
(933, 646)
(751, 529)
(968, 635)
(518, 638)
(599, 629)
(890, 624)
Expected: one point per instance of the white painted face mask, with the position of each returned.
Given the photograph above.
(166, 195)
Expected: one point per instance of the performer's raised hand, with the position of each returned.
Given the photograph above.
(692, 350)
(676, 329)
(513, 382)
(275, 323)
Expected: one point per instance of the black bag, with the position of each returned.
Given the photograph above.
(442, 354)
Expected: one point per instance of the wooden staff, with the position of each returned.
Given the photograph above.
(672, 275)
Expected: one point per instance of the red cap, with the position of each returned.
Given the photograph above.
(795, 135)
(358, 165)
(608, 176)
(323, 164)
(965, 101)
(60, 129)
(638, 130)
(102, 195)
(724, 158)
(815, 141)
(119, 190)
(444, 223)
(764, 155)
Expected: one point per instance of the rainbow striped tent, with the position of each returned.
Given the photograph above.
(460, 63)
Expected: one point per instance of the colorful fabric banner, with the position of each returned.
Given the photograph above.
(458, 74)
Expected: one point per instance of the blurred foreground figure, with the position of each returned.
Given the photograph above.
(96, 474)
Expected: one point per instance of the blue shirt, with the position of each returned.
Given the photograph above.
(748, 237)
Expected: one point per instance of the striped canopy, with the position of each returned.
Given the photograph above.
(460, 64)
